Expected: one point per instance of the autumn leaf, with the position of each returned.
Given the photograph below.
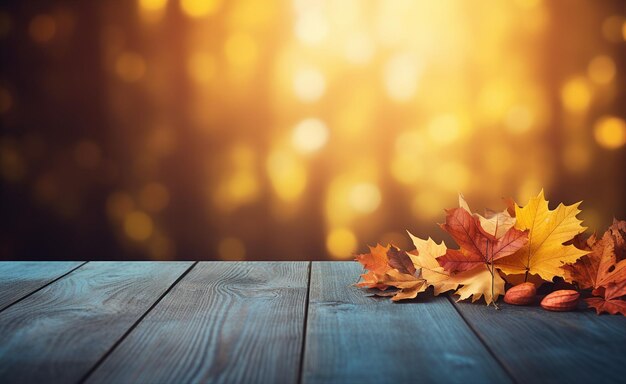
(601, 270)
(494, 223)
(544, 253)
(477, 282)
(477, 246)
(409, 285)
(425, 259)
(599, 267)
(618, 232)
(390, 267)
(478, 253)
(522, 278)
(376, 262)
(608, 299)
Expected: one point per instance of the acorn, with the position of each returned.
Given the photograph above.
(562, 300)
(521, 294)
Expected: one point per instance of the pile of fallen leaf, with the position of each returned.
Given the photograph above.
(522, 246)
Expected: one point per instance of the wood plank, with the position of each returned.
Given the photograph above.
(224, 322)
(21, 278)
(540, 346)
(58, 333)
(355, 338)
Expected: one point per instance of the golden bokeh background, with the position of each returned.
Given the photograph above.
(298, 130)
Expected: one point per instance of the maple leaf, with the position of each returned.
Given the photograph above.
(618, 231)
(478, 253)
(376, 262)
(425, 259)
(494, 223)
(522, 278)
(409, 285)
(390, 267)
(599, 267)
(479, 282)
(602, 270)
(608, 300)
(545, 253)
(477, 246)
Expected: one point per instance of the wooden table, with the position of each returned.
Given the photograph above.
(278, 322)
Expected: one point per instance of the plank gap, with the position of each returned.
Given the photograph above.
(304, 326)
(480, 338)
(132, 327)
(43, 286)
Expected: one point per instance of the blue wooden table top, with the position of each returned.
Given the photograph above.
(278, 322)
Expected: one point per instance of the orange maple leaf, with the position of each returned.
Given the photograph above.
(607, 299)
(602, 270)
(390, 267)
(599, 267)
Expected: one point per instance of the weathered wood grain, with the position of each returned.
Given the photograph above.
(58, 333)
(355, 338)
(20, 278)
(539, 346)
(224, 322)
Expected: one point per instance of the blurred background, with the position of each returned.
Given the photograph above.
(298, 130)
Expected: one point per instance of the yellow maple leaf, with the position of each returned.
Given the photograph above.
(544, 254)
(409, 285)
(426, 259)
(477, 283)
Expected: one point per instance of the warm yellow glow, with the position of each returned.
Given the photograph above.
(610, 132)
(287, 175)
(406, 168)
(199, 8)
(138, 226)
(201, 67)
(239, 185)
(452, 176)
(444, 129)
(528, 3)
(364, 197)
(42, 28)
(427, 204)
(602, 69)
(359, 48)
(576, 95)
(152, 5)
(341, 243)
(238, 189)
(6, 101)
(87, 154)
(231, 249)
(309, 84)
(495, 100)
(401, 76)
(152, 11)
(519, 119)
(311, 27)
(241, 50)
(309, 135)
(130, 66)
(154, 197)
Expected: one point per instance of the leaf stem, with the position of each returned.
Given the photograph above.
(492, 271)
